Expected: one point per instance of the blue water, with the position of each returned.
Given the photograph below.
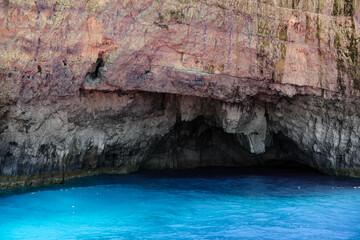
(204, 204)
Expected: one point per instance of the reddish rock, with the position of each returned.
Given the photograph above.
(63, 61)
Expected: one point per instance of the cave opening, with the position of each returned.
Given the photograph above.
(201, 144)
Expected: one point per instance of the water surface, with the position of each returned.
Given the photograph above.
(201, 204)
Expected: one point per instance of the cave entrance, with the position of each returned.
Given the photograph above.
(200, 143)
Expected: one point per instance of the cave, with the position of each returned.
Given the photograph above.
(120, 132)
(200, 143)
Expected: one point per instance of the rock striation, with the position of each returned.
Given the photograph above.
(111, 86)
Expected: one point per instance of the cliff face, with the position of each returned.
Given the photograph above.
(111, 86)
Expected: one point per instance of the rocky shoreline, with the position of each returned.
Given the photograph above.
(121, 131)
(92, 87)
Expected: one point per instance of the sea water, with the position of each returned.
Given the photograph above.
(201, 204)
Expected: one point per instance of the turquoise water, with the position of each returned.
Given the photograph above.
(204, 204)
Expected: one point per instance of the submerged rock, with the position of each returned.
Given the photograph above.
(111, 86)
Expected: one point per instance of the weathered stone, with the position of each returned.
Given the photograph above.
(113, 85)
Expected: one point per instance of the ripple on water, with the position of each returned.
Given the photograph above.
(202, 204)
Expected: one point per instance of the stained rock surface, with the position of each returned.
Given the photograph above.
(88, 87)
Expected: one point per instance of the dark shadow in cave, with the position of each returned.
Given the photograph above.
(200, 143)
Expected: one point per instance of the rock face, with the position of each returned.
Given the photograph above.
(88, 87)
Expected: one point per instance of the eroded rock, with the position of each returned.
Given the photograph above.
(109, 86)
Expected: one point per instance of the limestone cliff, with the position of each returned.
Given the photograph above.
(113, 85)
